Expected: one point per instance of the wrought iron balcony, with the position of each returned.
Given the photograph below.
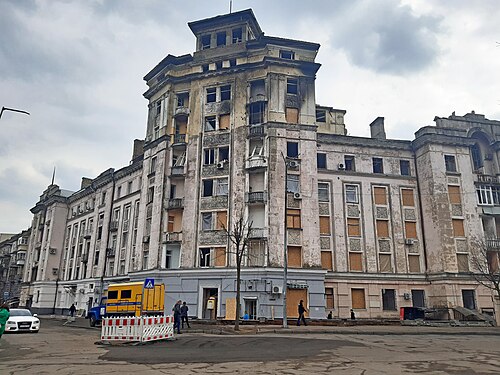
(173, 237)
(178, 139)
(258, 233)
(257, 197)
(493, 244)
(175, 203)
(256, 131)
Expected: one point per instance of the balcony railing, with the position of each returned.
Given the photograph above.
(256, 197)
(493, 244)
(181, 111)
(178, 139)
(256, 131)
(87, 234)
(256, 162)
(173, 237)
(177, 171)
(175, 203)
(258, 233)
(488, 179)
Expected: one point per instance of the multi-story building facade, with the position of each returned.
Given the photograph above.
(234, 131)
(13, 251)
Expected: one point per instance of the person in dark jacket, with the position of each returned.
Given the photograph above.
(177, 316)
(184, 314)
(302, 310)
(72, 310)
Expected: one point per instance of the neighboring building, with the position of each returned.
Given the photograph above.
(234, 129)
(13, 251)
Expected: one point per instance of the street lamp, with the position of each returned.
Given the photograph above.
(13, 110)
(285, 250)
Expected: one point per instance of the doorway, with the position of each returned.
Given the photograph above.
(250, 308)
(418, 298)
(469, 300)
(209, 303)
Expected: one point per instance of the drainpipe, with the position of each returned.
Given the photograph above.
(107, 236)
(421, 216)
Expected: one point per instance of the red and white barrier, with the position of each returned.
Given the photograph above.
(141, 329)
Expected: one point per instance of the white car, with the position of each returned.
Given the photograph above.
(21, 320)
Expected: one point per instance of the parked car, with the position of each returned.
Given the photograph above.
(21, 320)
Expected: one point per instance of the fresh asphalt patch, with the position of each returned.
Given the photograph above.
(219, 349)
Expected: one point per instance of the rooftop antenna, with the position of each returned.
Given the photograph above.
(53, 175)
(230, 6)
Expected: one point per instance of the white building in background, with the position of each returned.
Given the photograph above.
(372, 224)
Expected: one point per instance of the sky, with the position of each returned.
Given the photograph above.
(78, 68)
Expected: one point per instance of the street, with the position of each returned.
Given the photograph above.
(61, 349)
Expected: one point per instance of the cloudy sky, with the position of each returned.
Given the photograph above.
(77, 67)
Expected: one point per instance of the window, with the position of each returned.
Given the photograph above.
(292, 149)
(469, 299)
(221, 39)
(220, 257)
(103, 197)
(126, 294)
(351, 194)
(380, 195)
(454, 194)
(293, 219)
(119, 192)
(378, 165)
(329, 301)
(289, 55)
(209, 157)
(323, 192)
(292, 183)
(256, 113)
(382, 228)
(205, 257)
(225, 92)
(292, 86)
(224, 154)
(450, 163)
(129, 187)
(113, 294)
(404, 167)
(237, 35)
(385, 262)
(158, 108)
(210, 123)
(463, 262)
(292, 115)
(218, 65)
(320, 115)
(205, 41)
(458, 228)
(407, 197)
(204, 68)
(221, 221)
(349, 163)
(414, 264)
(321, 161)
(477, 159)
(294, 256)
(388, 299)
(182, 99)
(222, 187)
(488, 195)
(206, 221)
(410, 229)
(208, 186)
(153, 165)
(358, 298)
(353, 227)
(232, 62)
(211, 95)
(324, 225)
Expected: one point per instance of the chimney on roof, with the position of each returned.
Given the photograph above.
(377, 130)
(85, 182)
(138, 148)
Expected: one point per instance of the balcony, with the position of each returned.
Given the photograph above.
(173, 237)
(256, 131)
(256, 162)
(256, 197)
(493, 244)
(488, 179)
(175, 203)
(178, 139)
(20, 262)
(87, 234)
(177, 171)
(113, 226)
(258, 233)
(181, 112)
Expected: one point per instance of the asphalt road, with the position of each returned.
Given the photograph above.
(61, 349)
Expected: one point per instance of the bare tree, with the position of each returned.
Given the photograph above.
(486, 269)
(239, 235)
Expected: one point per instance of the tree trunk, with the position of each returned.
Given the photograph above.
(238, 307)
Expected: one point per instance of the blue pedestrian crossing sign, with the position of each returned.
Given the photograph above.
(149, 284)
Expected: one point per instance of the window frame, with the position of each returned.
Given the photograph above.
(404, 167)
(292, 86)
(450, 163)
(350, 189)
(211, 95)
(321, 160)
(378, 165)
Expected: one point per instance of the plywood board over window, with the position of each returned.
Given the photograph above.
(326, 260)
(414, 263)
(292, 115)
(458, 228)
(294, 256)
(293, 297)
(324, 225)
(356, 261)
(220, 257)
(385, 263)
(380, 195)
(408, 198)
(353, 228)
(358, 298)
(329, 299)
(454, 194)
(221, 220)
(224, 121)
(382, 228)
(410, 229)
(463, 262)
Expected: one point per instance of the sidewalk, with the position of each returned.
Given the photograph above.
(204, 327)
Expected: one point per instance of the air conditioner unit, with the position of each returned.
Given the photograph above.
(52, 250)
(82, 291)
(297, 196)
(220, 165)
(407, 296)
(409, 241)
(341, 167)
(293, 164)
(54, 271)
(277, 289)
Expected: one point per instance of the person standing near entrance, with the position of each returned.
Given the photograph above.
(302, 311)
(184, 314)
(4, 316)
(72, 310)
(177, 316)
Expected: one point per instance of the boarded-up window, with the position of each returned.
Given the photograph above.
(293, 297)
(329, 298)
(458, 228)
(358, 298)
(408, 198)
(171, 222)
(324, 225)
(492, 261)
(293, 219)
(379, 195)
(294, 256)
(221, 220)
(180, 126)
(410, 229)
(382, 228)
(220, 257)
(224, 122)
(292, 115)
(454, 194)
(326, 260)
(463, 262)
(356, 261)
(414, 263)
(353, 227)
(385, 262)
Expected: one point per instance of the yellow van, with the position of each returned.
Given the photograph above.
(133, 299)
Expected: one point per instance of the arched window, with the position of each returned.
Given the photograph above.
(477, 158)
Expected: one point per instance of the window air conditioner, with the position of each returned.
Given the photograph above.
(220, 165)
(409, 241)
(297, 196)
(293, 164)
(407, 296)
(52, 250)
(277, 289)
(341, 167)
(82, 291)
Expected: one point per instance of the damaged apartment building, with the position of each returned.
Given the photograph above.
(234, 130)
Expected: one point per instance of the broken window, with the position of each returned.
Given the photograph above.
(292, 86)
(289, 55)
(208, 187)
(210, 123)
(237, 35)
(211, 95)
(221, 39)
(224, 121)
(321, 161)
(205, 41)
(205, 257)
(320, 115)
(225, 93)
(378, 165)
(224, 154)
(209, 156)
(293, 218)
(183, 99)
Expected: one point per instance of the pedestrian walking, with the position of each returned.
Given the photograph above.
(4, 316)
(72, 310)
(302, 311)
(353, 316)
(177, 316)
(184, 314)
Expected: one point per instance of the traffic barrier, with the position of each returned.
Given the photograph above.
(141, 329)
